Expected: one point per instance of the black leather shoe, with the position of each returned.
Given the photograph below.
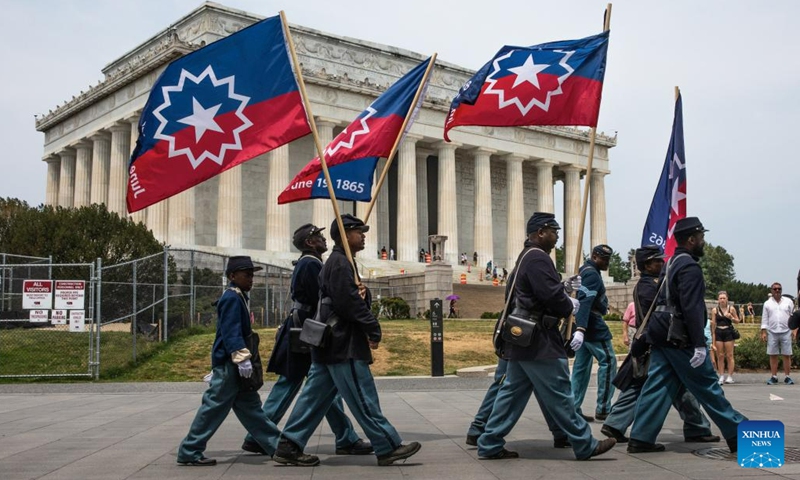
(588, 418)
(400, 453)
(290, 454)
(635, 446)
(733, 444)
(253, 447)
(600, 416)
(702, 439)
(360, 447)
(561, 443)
(201, 462)
(603, 446)
(472, 440)
(501, 455)
(612, 432)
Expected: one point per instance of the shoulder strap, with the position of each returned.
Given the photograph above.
(239, 293)
(646, 318)
(666, 276)
(514, 272)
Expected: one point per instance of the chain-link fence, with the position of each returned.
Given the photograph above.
(46, 318)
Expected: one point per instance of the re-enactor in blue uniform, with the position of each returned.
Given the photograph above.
(292, 366)
(342, 364)
(696, 427)
(230, 359)
(540, 368)
(593, 338)
(672, 365)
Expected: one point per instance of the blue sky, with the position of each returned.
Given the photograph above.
(734, 61)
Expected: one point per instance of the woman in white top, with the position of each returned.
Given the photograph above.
(723, 316)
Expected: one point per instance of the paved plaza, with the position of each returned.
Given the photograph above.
(131, 431)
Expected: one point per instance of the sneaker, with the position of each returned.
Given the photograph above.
(502, 455)
(788, 381)
(729, 380)
(360, 447)
(289, 454)
(472, 440)
(253, 447)
(721, 379)
(612, 432)
(200, 462)
(400, 453)
(772, 381)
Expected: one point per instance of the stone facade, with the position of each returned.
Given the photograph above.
(478, 190)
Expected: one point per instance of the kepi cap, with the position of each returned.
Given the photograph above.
(303, 233)
(647, 253)
(541, 220)
(349, 222)
(240, 262)
(603, 251)
(688, 225)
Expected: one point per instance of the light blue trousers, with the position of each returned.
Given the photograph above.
(478, 424)
(603, 351)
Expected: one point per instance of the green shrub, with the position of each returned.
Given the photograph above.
(486, 315)
(751, 352)
(613, 317)
(391, 308)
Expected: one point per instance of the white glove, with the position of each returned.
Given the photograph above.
(207, 378)
(245, 369)
(699, 357)
(576, 305)
(577, 341)
(572, 284)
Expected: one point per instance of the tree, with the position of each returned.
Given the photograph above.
(561, 263)
(717, 265)
(620, 271)
(742, 293)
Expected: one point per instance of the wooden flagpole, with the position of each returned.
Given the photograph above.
(588, 180)
(391, 156)
(317, 142)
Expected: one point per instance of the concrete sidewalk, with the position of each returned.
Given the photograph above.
(122, 431)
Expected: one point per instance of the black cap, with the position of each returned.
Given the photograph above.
(240, 262)
(603, 251)
(303, 233)
(647, 253)
(542, 220)
(688, 225)
(350, 223)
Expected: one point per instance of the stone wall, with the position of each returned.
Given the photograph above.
(418, 289)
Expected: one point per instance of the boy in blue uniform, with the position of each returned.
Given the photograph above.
(341, 366)
(594, 336)
(291, 366)
(230, 360)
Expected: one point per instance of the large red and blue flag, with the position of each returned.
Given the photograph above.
(214, 109)
(352, 156)
(669, 201)
(557, 83)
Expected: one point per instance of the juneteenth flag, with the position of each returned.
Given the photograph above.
(669, 201)
(352, 156)
(214, 109)
(557, 83)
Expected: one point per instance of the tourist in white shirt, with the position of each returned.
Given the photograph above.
(775, 331)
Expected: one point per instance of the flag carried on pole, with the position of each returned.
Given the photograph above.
(352, 156)
(669, 201)
(214, 109)
(557, 83)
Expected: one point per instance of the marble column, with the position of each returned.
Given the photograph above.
(597, 198)
(182, 218)
(545, 201)
(515, 236)
(118, 169)
(158, 220)
(483, 232)
(572, 215)
(407, 237)
(229, 208)
(83, 174)
(322, 210)
(422, 199)
(101, 157)
(448, 200)
(278, 229)
(53, 173)
(66, 178)
(141, 215)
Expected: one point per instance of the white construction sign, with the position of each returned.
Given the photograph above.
(37, 294)
(59, 317)
(70, 294)
(77, 320)
(39, 316)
